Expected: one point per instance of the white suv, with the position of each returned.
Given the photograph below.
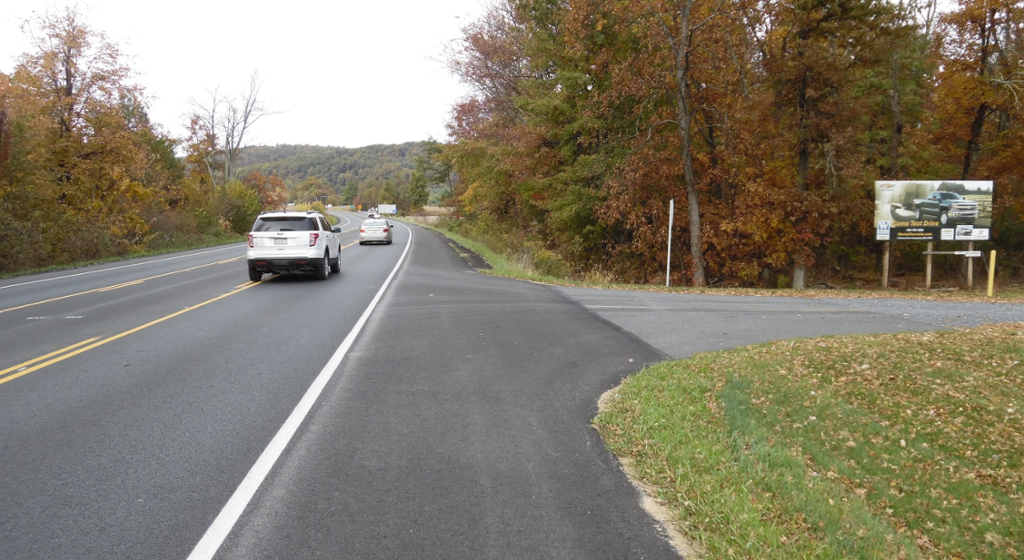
(293, 242)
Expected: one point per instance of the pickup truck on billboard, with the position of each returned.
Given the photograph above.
(947, 207)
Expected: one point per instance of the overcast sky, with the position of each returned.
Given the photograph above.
(339, 73)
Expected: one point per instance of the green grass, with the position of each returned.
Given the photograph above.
(888, 446)
(501, 265)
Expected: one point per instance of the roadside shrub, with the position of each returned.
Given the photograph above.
(23, 246)
(548, 263)
(240, 206)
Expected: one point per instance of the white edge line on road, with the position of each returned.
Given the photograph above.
(229, 515)
(232, 246)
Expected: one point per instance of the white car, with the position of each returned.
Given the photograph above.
(293, 242)
(376, 231)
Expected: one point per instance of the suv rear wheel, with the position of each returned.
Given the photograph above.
(255, 275)
(324, 271)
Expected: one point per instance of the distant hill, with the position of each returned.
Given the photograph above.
(338, 167)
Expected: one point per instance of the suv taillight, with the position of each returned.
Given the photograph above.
(250, 241)
(312, 238)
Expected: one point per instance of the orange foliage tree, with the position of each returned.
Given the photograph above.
(271, 189)
(80, 153)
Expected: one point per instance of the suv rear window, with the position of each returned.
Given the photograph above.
(285, 223)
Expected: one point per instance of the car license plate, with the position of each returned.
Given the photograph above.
(280, 241)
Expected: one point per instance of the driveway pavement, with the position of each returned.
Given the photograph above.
(679, 325)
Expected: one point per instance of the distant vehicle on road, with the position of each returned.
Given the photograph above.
(293, 242)
(376, 231)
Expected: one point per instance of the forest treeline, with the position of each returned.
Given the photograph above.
(338, 167)
(767, 121)
(400, 174)
(85, 174)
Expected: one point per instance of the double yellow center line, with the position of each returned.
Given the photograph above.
(39, 363)
(117, 286)
(36, 364)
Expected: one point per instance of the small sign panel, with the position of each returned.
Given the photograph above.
(882, 230)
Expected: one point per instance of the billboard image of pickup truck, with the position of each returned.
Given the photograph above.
(933, 210)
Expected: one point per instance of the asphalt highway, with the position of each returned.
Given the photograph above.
(409, 407)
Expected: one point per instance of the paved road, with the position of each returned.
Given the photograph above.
(679, 325)
(459, 428)
(449, 418)
(184, 372)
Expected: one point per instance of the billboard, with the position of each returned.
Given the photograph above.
(933, 210)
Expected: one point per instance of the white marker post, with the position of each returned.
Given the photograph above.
(671, 213)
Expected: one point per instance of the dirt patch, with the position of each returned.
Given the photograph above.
(428, 220)
(475, 261)
(430, 215)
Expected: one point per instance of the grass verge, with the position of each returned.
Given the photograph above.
(887, 446)
(511, 267)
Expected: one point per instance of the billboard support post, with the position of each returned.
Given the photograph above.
(991, 271)
(928, 268)
(885, 265)
(970, 267)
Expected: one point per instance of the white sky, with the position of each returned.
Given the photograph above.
(340, 72)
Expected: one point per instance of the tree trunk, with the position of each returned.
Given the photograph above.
(897, 113)
(798, 277)
(974, 142)
(803, 164)
(802, 167)
(684, 118)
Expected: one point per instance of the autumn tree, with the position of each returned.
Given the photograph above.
(270, 189)
(491, 59)
(7, 99)
(225, 123)
(82, 146)
(667, 74)
(981, 84)
(526, 153)
(240, 205)
(814, 52)
(978, 107)
(894, 91)
(432, 171)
